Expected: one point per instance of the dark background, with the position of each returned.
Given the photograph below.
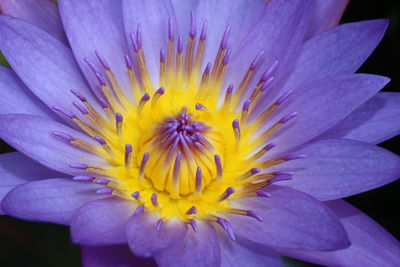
(36, 244)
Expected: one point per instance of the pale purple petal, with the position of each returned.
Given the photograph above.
(102, 222)
(153, 17)
(327, 14)
(237, 254)
(96, 26)
(144, 239)
(34, 137)
(291, 219)
(371, 244)
(52, 200)
(328, 102)
(117, 255)
(41, 13)
(341, 50)
(17, 99)
(12, 175)
(340, 168)
(374, 122)
(199, 249)
(44, 64)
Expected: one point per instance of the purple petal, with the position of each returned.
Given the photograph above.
(236, 254)
(102, 222)
(117, 255)
(340, 168)
(99, 29)
(371, 244)
(328, 101)
(52, 200)
(17, 99)
(374, 122)
(199, 249)
(292, 219)
(34, 137)
(43, 63)
(13, 175)
(144, 239)
(153, 17)
(341, 50)
(41, 13)
(327, 14)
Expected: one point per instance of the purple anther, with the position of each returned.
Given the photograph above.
(269, 146)
(160, 223)
(145, 97)
(163, 56)
(65, 112)
(225, 38)
(217, 160)
(104, 191)
(246, 105)
(135, 46)
(78, 95)
(128, 62)
(91, 65)
(200, 107)
(102, 60)
(207, 70)
(257, 60)
(226, 58)
(192, 210)
(270, 71)
(254, 215)
(81, 108)
(119, 117)
(177, 167)
(136, 195)
(254, 171)
(283, 173)
(139, 36)
(199, 180)
(293, 157)
(236, 124)
(194, 226)
(263, 194)
(227, 227)
(284, 97)
(154, 200)
(144, 161)
(267, 84)
(192, 32)
(227, 193)
(230, 89)
(83, 178)
(170, 29)
(103, 102)
(288, 117)
(100, 78)
(128, 149)
(102, 181)
(100, 140)
(280, 178)
(64, 136)
(203, 34)
(79, 166)
(180, 44)
(160, 91)
(138, 210)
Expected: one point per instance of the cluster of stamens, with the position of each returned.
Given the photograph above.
(182, 150)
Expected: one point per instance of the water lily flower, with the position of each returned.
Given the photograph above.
(199, 133)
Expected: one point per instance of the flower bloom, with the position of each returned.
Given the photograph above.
(176, 128)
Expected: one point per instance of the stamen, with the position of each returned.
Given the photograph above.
(280, 160)
(250, 173)
(143, 101)
(138, 210)
(176, 176)
(228, 95)
(136, 195)
(200, 107)
(262, 152)
(157, 95)
(65, 112)
(236, 130)
(277, 125)
(200, 48)
(105, 191)
(254, 215)
(217, 160)
(118, 124)
(227, 227)
(104, 144)
(163, 71)
(192, 210)
(102, 181)
(79, 166)
(145, 159)
(263, 194)
(154, 200)
(198, 184)
(83, 178)
(128, 155)
(227, 193)
(193, 223)
(245, 111)
(160, 223)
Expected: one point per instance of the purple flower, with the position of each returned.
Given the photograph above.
(206, 133)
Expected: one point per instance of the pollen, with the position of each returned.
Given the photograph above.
(183, 148)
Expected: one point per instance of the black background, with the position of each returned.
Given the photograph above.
(36, 244)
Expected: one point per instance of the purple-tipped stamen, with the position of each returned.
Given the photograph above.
(79, 166)
(254, 215)
(136, 195)
(227, 57)
(192, 210)
(154, 200)
(100, 79)
(170, 30)
(163, 56)
(102, 60)
(139, 36)
(128, 152)
(225, 38)
(270, 71)
(145, 158)
(192, 32)
(194, 226)
(218, 165)
(138, 210)
(128, 62)
(227, 227)
(257, 60)
(180, 45)
(293, 157)
(199, 106)
(203, 34)
(83, 178)
(79, 96)
(160, 223)
(263, 194)
(284, 97)
(104, 191)
(65, 112)
(287, 118)
(100, 140)
(102, 181)
(64, 136)
(81, 108)
(199, 180)
(227, 193)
